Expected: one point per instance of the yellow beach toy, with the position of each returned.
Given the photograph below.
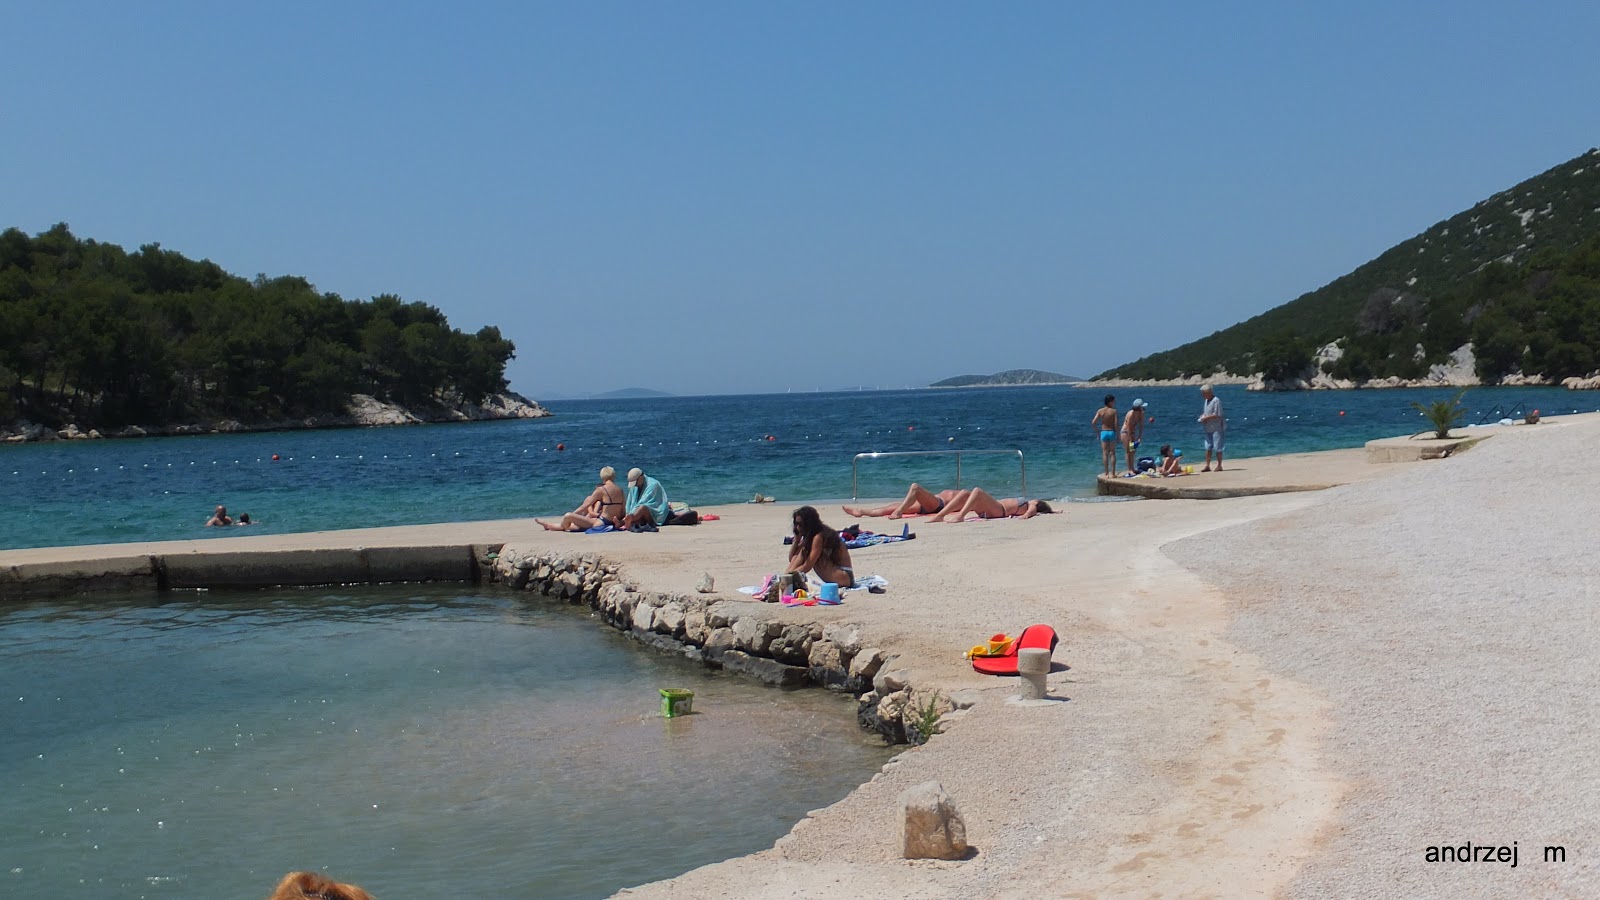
(998, 645)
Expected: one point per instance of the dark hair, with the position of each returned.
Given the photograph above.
(808, 525)
(1110, 399)
(1166, 449)
(244, 518)
(1043, 507)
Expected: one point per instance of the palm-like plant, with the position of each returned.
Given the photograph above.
(1444, 414)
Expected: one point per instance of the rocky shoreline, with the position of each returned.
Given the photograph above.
(736, 636)
(1459, 372)
(363, 412)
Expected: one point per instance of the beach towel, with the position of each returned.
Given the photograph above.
(863, 582)
(602, 528)
(1034, 636)
(855, 538)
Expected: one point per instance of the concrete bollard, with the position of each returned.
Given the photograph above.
(1033, 664)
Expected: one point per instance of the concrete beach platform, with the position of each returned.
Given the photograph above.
(1251, 476)
(450, 552)
(1315, 471)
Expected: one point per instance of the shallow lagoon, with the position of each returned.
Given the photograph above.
(418, 741)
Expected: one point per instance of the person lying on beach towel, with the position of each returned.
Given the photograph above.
(977, 501)
(603, 506)
(818, 548)
(919, 501)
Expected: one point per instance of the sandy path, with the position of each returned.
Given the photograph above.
(1449, 616)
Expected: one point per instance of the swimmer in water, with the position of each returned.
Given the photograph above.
(220, 517)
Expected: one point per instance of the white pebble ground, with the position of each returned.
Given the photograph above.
(1449, 615)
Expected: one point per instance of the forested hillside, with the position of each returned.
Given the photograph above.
(97, 336)
(1511, 274)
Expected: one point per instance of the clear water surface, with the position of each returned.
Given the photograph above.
(421, 742)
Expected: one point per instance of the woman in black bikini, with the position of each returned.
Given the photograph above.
(603, 505)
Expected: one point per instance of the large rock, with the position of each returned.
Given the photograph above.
(865, 664)
(718, 642)
(669, 619)
(931, 827)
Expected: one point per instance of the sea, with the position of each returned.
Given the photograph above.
(803, 447)
(456, 741)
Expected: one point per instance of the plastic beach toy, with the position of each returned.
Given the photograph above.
(830, 593)
(676, 702)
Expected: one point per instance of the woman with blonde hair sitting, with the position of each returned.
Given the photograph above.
(312, 886)
(603, 505)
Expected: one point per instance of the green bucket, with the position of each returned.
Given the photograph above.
(676, 702)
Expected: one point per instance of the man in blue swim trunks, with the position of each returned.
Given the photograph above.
(1105, 419)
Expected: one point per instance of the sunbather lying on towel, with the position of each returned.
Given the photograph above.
(978, 501)
(919, 501)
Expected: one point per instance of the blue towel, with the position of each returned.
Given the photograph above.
(602, 528)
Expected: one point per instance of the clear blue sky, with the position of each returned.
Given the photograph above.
(729, 197)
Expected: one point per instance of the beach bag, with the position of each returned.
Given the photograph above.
(1145, 464)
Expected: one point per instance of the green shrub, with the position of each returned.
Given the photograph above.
(1443, 415)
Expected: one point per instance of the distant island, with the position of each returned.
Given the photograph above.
(632, 393)
(1506, 292)
(1007, 378)
(96, 341)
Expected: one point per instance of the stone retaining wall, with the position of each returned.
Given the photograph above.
(761, 640)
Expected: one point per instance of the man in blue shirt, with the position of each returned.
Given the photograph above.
(1213, 425)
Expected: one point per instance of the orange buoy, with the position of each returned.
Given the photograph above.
(1341, 412)
(911, 428)
(771, 438)
(274, 457)
(561, 446)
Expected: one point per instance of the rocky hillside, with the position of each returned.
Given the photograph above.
(362, 411)
(1510, 275)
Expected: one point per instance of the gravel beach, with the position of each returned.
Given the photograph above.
(1448, 617)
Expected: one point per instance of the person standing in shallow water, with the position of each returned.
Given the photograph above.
(1105, 420)
(1213, 424)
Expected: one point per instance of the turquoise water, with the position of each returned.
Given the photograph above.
(420, 742)
(706, 450)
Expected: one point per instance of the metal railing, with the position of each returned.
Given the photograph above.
(1022, 464)
(1497, 413)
